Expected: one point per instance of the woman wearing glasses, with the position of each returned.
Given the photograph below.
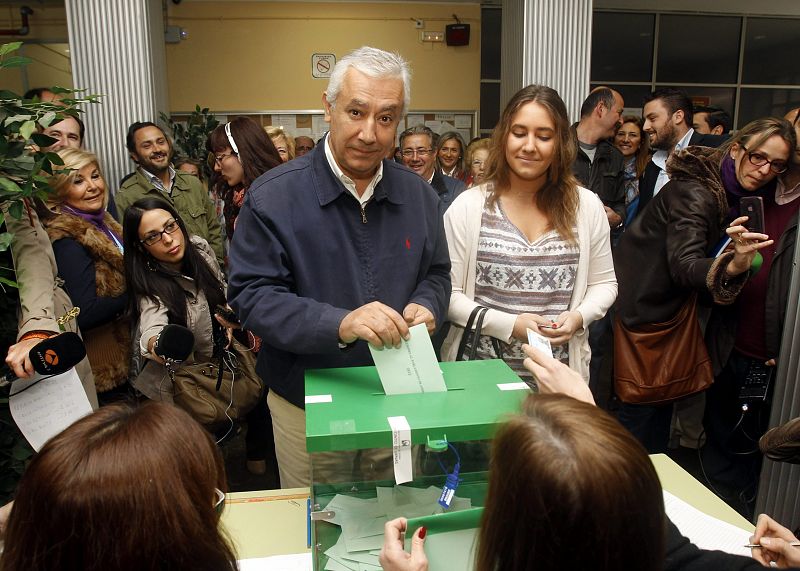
(477, 156)
(241, 152)
(174, 279)
(123, 488)
(669, 253)
(87, 244)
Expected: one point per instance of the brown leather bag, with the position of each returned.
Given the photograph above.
(196, 391)
(661, 362)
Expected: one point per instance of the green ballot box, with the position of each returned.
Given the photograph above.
(375, 457)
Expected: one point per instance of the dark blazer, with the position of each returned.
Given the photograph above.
(447, 187)
(647, 182)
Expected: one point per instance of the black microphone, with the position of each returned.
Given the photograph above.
(175, 343)
(53, 356)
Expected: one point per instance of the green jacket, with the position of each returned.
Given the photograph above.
(188, 198)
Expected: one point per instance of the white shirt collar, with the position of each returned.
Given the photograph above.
(660, 157)
(348, 183)
(158, 182)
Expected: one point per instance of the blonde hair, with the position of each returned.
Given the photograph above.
(276, 133)
(64, 176)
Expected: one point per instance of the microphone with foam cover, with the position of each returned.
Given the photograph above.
(54, 356)
(175, 343)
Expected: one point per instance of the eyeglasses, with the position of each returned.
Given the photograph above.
(169, 228)
(759, 160)
(219, 158)
(219, 502)
(408, 153)
(478, 164)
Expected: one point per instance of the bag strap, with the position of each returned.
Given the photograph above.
(473, 353)
(467, 329)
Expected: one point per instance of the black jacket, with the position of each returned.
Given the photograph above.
(647, 182)
(603, 175)
(663, 256)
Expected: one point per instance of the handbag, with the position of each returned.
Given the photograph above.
(661, 362)
(475, 320)
(216, 400)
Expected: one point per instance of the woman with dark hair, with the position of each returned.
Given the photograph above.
(450, 155)
(173, 279)
(634, 145)
(530, 244)
(241, 152)
(87, 243)
(569, 488)
(666, 257)
(125, 489)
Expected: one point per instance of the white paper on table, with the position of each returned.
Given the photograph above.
(401, 449)
(44, 406)
(705, 531)
(410, 368)
(293, 562)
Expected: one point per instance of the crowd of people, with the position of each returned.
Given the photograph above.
(296, 254)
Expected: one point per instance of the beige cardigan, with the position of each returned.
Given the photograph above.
(595, 283)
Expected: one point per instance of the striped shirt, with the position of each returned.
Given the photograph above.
(516, 276)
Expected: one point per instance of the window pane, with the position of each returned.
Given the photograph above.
(756, 103)
(770, 51)
(491, 28)
(622, 46)
(698, 49)
(490, 105)
(632, 94)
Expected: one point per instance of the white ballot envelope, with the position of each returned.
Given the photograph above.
(540, 342)
(412, 367)
(44, 406)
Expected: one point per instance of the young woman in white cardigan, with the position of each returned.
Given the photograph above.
(529, 243)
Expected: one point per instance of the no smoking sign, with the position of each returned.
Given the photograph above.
(322, 65)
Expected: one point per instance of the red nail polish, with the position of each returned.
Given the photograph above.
(422, 532)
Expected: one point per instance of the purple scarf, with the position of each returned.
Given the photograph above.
(96, 219)
(734, 190)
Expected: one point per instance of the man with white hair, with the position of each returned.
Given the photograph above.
(338, 248)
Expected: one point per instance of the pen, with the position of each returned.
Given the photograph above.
(757, 546)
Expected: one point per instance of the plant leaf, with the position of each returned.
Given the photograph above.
(16, 209)
(15, 61)
(27, 129)
(9, 47)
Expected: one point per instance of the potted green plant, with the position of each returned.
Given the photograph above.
(24, 171)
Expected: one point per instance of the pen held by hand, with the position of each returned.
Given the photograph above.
(757, 546)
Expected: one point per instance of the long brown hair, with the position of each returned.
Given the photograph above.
(570, 488)
(257, 153)
(125, 489)
(558, 198)
(643, 153)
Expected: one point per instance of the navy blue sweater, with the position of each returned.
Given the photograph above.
(303, 257)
